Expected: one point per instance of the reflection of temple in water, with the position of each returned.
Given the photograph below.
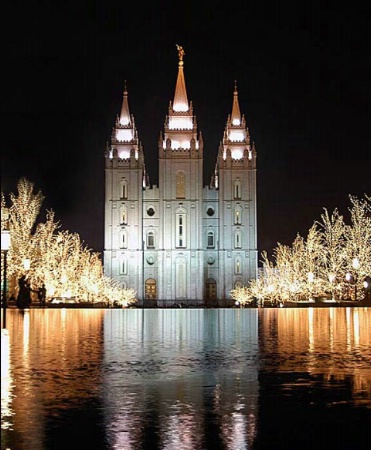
(191, 365)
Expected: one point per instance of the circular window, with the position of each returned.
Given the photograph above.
(151, 211)
(210, 260)
(210, 211)
(150, 260)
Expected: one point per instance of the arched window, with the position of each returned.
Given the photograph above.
(237, 189)
(238, 216)
(150, 239)
(210, 239)
(238, 239)
(237, 266)
(180, 185)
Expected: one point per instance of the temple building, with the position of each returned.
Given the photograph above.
(182, 241)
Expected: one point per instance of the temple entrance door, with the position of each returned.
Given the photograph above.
(151, 290)
(210, 292)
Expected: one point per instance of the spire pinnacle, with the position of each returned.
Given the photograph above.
(125, 114)
(180, 102)
(236, 115)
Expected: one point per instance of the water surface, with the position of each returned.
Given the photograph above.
(269, 378)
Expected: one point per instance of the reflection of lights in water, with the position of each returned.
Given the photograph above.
(182, 428)
(347, 315)
(6, 382)
(234, 431)
(26, 332)
(311, 332)
(356, 328)
(331, 328)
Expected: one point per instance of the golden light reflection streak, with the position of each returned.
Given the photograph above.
(7, 382)
(331, 328)
(311, 329)
(26, 334)
(356, 327)
(348, 323)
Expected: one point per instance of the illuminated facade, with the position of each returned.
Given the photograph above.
(181, 241)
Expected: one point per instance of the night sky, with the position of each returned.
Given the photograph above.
(303, 73)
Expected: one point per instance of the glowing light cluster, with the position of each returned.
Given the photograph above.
(180, 107)
(123, 153)
(124, 121)
(236, 122)
(124, 135)
(237, 154)
(180, 123)
(236, 136)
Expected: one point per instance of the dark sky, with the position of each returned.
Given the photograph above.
(303, 73)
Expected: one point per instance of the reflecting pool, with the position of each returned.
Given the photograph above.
(181, 379)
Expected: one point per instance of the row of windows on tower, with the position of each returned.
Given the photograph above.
(180, 239)
(237, 217)
(237, 266)
(180, 188)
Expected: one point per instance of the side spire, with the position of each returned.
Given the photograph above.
(236, 115)
(125, 114)
(180, 102)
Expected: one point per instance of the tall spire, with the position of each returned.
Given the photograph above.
(180, 98)
(125, 114)
(236, 115)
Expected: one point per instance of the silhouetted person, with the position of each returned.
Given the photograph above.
(41, 295)
(24, 293)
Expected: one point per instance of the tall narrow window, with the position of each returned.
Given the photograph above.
(123, 266)
(237, 216)
(180, 185)
(180, 230)
(150, 239)
(237, 266)
(124, 189)
(237, 189)
(237, 239)
(123, 216)
(123, 239)
(210, 239)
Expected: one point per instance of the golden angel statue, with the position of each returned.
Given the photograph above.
(180, 52)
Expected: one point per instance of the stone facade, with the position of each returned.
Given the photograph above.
(181, 241)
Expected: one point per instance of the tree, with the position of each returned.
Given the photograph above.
(317, 265)
(58, 259)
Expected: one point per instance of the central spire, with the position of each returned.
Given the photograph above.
(236, 115)
(180, 102)
(125, 114)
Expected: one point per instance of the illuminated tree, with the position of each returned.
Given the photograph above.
(358, 241)
(242, 295)
(333, 262)
(317, 266)
(57, 259)
(23, 213)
